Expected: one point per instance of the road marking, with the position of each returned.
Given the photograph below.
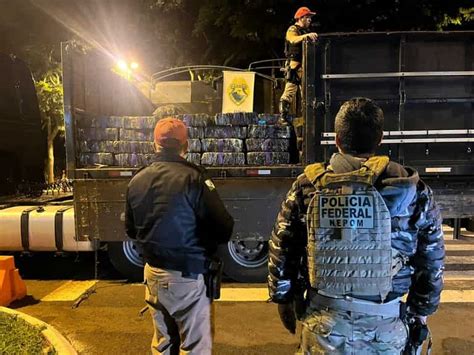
(457, 296)
(69, 291)
(460, 246)
(244, 294)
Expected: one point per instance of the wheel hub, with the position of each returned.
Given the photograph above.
(133, 253)
(248, 253)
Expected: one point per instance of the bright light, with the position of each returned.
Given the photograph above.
(134, 65)
(122, 65)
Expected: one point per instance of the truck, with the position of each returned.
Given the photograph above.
(424, 82)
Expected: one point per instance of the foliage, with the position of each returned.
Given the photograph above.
(20, 337)
(49, 90)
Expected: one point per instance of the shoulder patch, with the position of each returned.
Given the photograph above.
(210, 184)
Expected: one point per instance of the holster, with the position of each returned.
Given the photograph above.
(213, 278)
(418, 333)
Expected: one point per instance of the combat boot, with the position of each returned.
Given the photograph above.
(284, 109)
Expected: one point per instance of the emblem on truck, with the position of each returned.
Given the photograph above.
(238, 90)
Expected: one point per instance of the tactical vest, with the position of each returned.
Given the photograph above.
(294, 51)
(349, 242)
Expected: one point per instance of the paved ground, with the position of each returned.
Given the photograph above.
(108, 322)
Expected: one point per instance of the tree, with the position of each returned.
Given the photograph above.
(49, 90)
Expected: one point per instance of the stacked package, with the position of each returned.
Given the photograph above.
(268, 144)
(229, 139)
(115, 140)
(223, 143)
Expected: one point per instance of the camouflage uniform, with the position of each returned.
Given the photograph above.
(416, 235)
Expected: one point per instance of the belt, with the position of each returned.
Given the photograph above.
(349, 304)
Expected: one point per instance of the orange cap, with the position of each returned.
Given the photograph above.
(170, 133)
(303, 11)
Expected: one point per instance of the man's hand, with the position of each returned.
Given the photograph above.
(287, 316)
(313, 36)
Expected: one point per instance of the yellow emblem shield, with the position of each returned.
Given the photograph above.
(238, 90)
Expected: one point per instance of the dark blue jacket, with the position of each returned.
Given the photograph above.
(174, 212)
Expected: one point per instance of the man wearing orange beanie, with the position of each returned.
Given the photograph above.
(174, 212)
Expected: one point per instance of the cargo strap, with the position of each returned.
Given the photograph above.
(349, 304)
(58, 227)
(25, 227)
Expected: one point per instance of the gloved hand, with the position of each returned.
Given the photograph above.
(287, 316)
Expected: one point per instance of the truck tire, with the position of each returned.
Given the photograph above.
(245, 261)
(126, 259)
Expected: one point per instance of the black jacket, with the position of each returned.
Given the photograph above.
(174, 212)
(416, 234)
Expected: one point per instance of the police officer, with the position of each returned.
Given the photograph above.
(174, 213)
(293, 52)
(368, 232)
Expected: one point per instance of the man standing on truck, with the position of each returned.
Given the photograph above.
(174, 213)
(294, 38)
(362, 231)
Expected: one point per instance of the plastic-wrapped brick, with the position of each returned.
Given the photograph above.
(236, 118)
(97, 146)
(166, 111)
(230, 145)
(267, 144)
(269, 131)
(268, 158)
(197, 120)
(135, 147)
(136, 135)
(217, 159)
(98, 134)
(194, 145)
(225, 132)
(92, 159)
(133, 159)
(139, 122)
(268, 119)
(196, 132)
(194, 158)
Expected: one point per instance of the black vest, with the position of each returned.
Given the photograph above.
(295, 51)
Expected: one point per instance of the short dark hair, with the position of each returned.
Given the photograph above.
(359, 126)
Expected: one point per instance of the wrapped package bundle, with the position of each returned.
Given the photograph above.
(230, 145)
(139, 122)
(268, 158)
(136, 135)
(116, 147)
(86, 121)
(269, 131)
(134, 147)
(97, 134)
(236, 118)
(133, 160)
(268, 119)
(225, 132)
(216, 159)
(197, 120)
(166, 111)
(194, 145)
(267, 145)
(195, 132)
(86, 146)
(92, 159)
(194, 158)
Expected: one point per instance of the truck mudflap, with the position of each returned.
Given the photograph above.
(40, 228)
